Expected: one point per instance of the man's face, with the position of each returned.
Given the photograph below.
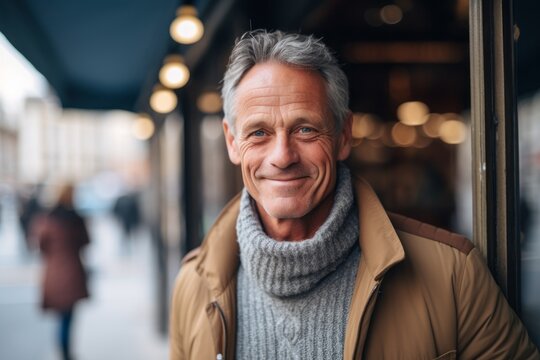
(285, 140)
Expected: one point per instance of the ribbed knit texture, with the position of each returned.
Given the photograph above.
(293, 297)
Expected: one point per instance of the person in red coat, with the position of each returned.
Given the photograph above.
(61, 234)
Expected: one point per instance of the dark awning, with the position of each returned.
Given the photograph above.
(105, 54)
(96, 54)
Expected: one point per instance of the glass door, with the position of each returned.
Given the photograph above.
(528, 105)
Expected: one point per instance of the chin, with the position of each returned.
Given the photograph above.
(286, 209)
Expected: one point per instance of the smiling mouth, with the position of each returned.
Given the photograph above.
(287, 180)
(290, 178)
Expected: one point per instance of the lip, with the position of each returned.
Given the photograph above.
(289, 181)
(286, 179)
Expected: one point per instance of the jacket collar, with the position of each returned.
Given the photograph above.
(380, 246)
(379, 242)
(220, 255)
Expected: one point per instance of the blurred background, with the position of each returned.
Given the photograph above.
(121, 98)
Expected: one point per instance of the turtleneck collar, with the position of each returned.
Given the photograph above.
(284, 268)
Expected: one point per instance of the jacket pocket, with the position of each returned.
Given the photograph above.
(450, 355)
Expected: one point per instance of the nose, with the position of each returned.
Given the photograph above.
(283, 153)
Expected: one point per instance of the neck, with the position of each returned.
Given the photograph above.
(296, 229)
(286, 268)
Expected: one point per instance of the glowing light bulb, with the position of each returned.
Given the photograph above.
(432, 125)
(403, 135)
(453, 132)
(143, 127)
(363, 125)
(186, 28)
(163, 101)
(174, 74)
(412, 113)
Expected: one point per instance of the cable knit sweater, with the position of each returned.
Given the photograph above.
(293, 297)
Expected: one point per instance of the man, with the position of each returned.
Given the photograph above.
(305, 263)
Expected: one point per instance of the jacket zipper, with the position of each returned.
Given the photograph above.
(221, 356)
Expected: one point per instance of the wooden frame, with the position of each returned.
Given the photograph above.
(494, 142)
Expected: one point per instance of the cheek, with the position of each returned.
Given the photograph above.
(323, 157)
(246, 153)
(322, 154)
(252, 153)
(250, 161)
(247, 150)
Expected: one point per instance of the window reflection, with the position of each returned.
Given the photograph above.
(528, 89)
(529, 147)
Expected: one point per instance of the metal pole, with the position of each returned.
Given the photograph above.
(192, 193)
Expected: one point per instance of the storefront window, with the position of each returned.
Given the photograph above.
(528, 89)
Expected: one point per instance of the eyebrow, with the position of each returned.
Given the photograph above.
(259, 122)
(254, 124)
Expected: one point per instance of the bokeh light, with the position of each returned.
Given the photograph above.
(403, 135)
(187, 28)
(412, 113)
(163, 101)
(391, 14)
(453, 132)
(174, 74)
(209, 102)
(143, 127)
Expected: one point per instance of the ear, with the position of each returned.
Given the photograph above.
(345, 138)
(232, 148)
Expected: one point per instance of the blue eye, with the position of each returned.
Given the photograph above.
(258, 133)
(306, 130)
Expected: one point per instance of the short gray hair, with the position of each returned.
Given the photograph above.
(297, 50)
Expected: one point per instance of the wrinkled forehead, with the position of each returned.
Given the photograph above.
(275, 84)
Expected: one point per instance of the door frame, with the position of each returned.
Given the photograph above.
(495, 142)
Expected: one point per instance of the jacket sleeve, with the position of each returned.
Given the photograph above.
(176, 351)
(488, 328)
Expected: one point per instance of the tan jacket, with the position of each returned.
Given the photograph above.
(420, 293)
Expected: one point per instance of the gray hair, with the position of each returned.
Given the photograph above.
(297, 50)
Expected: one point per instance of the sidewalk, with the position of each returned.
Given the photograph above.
(117, 322)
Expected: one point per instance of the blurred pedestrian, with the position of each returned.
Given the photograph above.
(29, 208)
(127, 212)
(61, 234)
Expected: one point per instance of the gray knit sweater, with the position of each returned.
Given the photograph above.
(293, 297)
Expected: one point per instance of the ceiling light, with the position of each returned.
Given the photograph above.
(453, 132)
(186, 28)
(433, 124)
(403, 135)
(143, 127)
(391, 14)
(363, 125)
(209, 102)
(163, 100)
(412, 113)
(174, 74)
